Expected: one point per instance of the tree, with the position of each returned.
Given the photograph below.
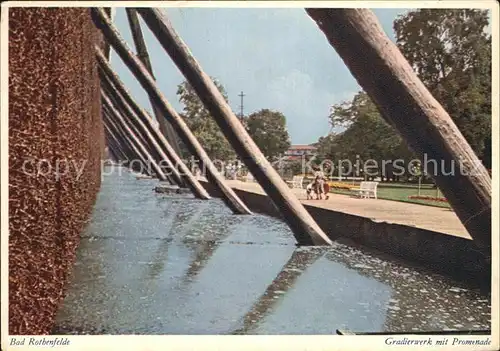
(326, 146)
(268, 130)
(451, 53)
(366, 133)
(201, 123)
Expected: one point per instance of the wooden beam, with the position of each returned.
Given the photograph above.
(119, 138)
(185, 176)
(140, 129)
(189, 179)
(107, 49)
(151, 152)
(304, 227)
(130, 152)
(117, 144)
(138, 161)
(127, 131)
(142, 53)
(142, 139)
(147, 82)
(111, 155)
(404, 102)
(117, 151)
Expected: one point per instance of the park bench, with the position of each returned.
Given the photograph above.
(296, 182)
(366, 190)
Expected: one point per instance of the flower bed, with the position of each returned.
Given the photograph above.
(428, 198)
(340, 185)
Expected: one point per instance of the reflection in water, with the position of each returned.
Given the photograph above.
(295, 266)
(205, 241)
(159, 258)
(155, 264)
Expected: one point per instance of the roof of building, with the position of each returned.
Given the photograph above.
(302, 147)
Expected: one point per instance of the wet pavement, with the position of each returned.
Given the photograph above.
(152, 263)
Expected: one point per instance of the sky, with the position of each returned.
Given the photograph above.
(279, 58)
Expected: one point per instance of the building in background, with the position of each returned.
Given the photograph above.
(296, 152)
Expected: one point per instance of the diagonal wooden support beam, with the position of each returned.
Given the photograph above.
(127, 131)
(147, 157)
(140, 129)
(405, 103)
(306, 230)
(118, 145)
(110, 146)
(119, 138)
(147, 82)
(142, 52)
(152, 152)
(132, 155)
(107, 48)
(189, 179)
(115, 148)
(125, 159)
(111, 154)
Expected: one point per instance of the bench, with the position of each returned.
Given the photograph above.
(296, 182)
(366, 190)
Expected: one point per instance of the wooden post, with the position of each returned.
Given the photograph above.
(140, 129)
(111, 139)
(116, 145)
(131, 154)
(189, 179)
(405, 103)
(152, 154)
(107, 48)
(142, 53)
(148, 83)
(126, 160)
(198, 190)
(304, 227)
(132, 150)
(121, 124)
(112, 152)
(117, 151)
(142, 139)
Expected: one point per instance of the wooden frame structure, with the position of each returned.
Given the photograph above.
(380, 69)
(406, 104)
(142, 52)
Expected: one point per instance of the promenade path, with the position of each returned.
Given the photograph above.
(438, 219)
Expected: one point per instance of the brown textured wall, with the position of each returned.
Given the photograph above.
(54, 114)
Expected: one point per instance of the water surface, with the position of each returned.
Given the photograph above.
(162, 264)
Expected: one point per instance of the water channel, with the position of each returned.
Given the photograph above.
(162, 264)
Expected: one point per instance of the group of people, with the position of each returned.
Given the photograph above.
(319, 186)
(232, 170)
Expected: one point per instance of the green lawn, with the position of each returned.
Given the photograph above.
(401, 193)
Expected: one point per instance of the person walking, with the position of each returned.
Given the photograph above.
(319, 180)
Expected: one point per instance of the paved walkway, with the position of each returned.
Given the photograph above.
(437, 219)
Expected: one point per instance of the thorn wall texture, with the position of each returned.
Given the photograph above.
(54, 115)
